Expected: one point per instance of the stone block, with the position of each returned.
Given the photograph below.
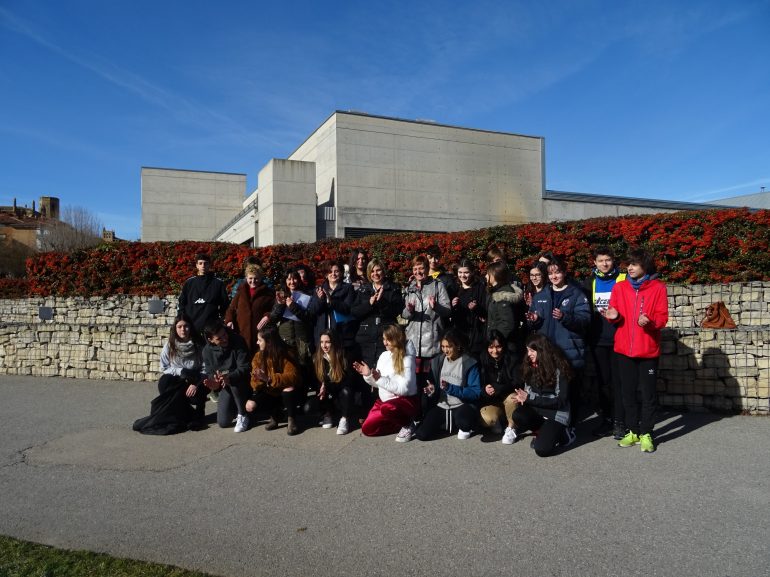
(715, 360)
(738, 371)
(694, 400)
(743, 360)
(672, 362)
(708, 373)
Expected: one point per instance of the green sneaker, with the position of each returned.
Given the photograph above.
(629, 440)
(646, 442)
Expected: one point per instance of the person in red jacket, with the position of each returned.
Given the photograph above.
(639, 308)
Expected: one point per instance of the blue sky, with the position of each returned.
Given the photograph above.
(656, 99)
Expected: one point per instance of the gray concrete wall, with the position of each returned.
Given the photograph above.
(321, 148)
(395, 174)
(188, 204)
(287, 202)
(568, 210)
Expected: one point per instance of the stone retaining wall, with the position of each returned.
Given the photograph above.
(118, 338)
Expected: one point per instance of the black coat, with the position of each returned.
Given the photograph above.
(471, 322)
(373, 318)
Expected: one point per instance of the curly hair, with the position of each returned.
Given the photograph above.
(550, 361)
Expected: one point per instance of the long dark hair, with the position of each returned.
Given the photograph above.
(276, 351)
(542, 267)
(352, 271)
(550, 360)
(338, 364)
(173, 338)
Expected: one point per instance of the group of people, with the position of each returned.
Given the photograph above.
(463, 351)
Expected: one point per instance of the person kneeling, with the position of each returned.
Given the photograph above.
(456, 398)
(396, 380)
(274, 379)
(544, 406)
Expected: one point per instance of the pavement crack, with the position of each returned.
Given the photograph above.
(19, 457)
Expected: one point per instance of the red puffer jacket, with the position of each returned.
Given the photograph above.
(632, 340)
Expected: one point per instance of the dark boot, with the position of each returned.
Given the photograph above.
(289, 398)
(271, 425)
(604, 428)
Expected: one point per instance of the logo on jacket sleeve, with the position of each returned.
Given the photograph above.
(200, 301)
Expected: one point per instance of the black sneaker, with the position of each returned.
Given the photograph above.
(618, 430)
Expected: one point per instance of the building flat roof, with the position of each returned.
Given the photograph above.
(422, 121)
(627, 201)
(191, 170)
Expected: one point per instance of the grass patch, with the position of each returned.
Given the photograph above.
(25, 559)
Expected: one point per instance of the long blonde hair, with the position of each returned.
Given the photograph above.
(396, 338)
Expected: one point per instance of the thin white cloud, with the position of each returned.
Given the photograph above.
(743, 188)
(183, 109)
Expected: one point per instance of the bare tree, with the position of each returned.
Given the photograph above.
(78, 228)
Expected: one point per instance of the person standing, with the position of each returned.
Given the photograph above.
(639, 308)
(427, 309)
(203, 297)
(601, 339)
(249, 311)
(561, 312)
(469, 310)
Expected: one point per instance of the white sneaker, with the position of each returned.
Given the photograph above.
(241, 423)
(342, 427)
(406, 434)
(327, 422)
(509, 436)
(463, 435)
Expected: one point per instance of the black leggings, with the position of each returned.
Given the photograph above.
(339, 396)
(549, 432)
(274, 403)
(464, 416)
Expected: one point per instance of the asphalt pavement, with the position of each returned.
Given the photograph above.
(73, 474)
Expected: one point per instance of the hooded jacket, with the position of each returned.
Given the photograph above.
(501, 310)
(632, 340)
(234, 358)
(567, 332)
(426, 324)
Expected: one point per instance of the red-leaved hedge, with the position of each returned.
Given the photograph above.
(711, 246)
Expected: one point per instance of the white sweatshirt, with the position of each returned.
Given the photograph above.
(391, 384)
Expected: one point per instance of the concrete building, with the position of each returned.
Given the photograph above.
(188, 204)
(359, 174)
(759, 199)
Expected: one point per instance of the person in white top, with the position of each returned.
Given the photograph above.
(396, 381)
